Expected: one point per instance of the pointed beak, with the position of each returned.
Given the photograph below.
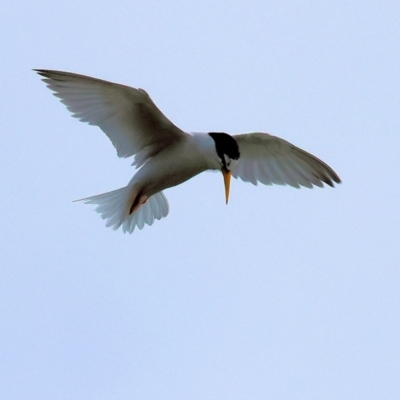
(227, 182)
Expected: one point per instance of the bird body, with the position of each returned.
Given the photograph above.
(175, 164)
(165, 156)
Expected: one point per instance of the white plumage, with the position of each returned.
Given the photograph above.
(165, 156)
(113, 207)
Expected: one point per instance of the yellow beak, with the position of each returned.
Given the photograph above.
(227, 182)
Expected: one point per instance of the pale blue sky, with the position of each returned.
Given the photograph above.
(282, 294)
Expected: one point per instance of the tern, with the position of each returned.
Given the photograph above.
(166, 156)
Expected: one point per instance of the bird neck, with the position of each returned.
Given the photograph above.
(206, 147)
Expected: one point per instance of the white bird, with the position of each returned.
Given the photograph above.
(166, 156)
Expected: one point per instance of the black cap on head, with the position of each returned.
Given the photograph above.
(225, 145)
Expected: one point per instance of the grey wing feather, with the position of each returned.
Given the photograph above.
(126, 115)
(271, 160)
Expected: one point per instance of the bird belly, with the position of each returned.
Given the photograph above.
(167, 170)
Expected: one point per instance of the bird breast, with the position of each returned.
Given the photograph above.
(175, 165)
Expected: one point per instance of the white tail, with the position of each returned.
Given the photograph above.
(114, 207)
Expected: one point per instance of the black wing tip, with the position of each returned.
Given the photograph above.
(40, 71)
(329, 179)
(335, 178)
(45, 73)
(51, 75)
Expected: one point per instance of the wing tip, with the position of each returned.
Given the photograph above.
(335, 178)
(41, 72)
(49, 75)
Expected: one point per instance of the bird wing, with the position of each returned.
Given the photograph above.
(128, 116)
(270, 160)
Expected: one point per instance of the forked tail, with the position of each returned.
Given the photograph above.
(115, 208)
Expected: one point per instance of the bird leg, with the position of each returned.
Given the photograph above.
(140, 199)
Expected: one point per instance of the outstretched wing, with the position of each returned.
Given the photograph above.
(126, 115)
(270, 160)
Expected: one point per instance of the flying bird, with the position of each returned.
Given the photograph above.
(166, 156)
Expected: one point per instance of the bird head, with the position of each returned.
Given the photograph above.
(227, 151)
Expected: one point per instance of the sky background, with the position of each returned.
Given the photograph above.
(282, 294)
